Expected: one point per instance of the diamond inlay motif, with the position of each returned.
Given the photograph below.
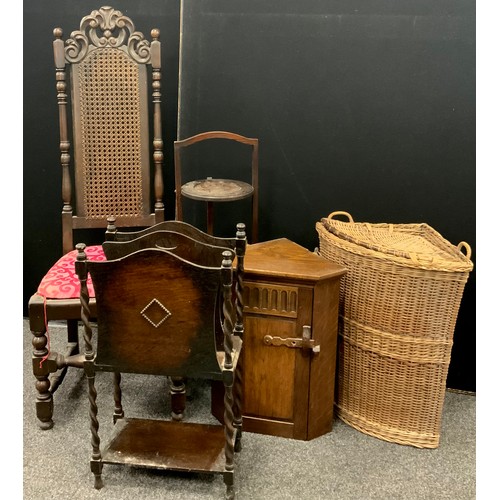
(156, 313)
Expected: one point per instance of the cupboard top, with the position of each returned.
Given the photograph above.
(285, 259)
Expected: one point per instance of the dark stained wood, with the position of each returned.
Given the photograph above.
(118, 413)
(217, 190)
(61, 309)
(155, 314)
(171, 445)
(159, 313)
(177, 397)
(80, 157)
(118, 70)
(196, 246)
(180, 244)
(112, 234)
(155, 54)
(50, 373)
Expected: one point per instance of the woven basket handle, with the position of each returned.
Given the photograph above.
(346, 214)
(468, 250)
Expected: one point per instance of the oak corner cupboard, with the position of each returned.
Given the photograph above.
(291, 298)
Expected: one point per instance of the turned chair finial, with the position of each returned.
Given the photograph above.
(111, 228)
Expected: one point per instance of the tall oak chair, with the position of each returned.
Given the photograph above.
(104, 72)
(161, 314)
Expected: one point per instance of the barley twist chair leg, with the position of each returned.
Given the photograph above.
(229, 492)
(229, 435)
(96, 468)
(238, 419)
(95, 462)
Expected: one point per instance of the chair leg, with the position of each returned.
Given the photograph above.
(44, 401)
(238, 419)
(229, 436)
(96, 460)
(118, 413)
(96, 468)
(229, 481)
(178, 397)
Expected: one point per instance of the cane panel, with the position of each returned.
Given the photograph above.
(111, 145)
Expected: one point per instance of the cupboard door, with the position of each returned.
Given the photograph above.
(276, 377)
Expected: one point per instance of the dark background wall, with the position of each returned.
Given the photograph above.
(367, 107)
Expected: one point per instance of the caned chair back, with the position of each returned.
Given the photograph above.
(109, 65)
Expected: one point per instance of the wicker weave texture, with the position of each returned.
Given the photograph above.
(387, 295)
(110, 135)
(398, 307)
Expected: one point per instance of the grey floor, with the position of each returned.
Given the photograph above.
(344, 464)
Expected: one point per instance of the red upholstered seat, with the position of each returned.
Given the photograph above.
(61, 282)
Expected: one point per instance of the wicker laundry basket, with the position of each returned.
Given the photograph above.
(399, 303)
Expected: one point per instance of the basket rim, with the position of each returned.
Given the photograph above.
(357, 237)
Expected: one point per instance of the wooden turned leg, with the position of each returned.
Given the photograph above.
(178, 397)
(44, 401)
(118, 413)
(44, 404)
